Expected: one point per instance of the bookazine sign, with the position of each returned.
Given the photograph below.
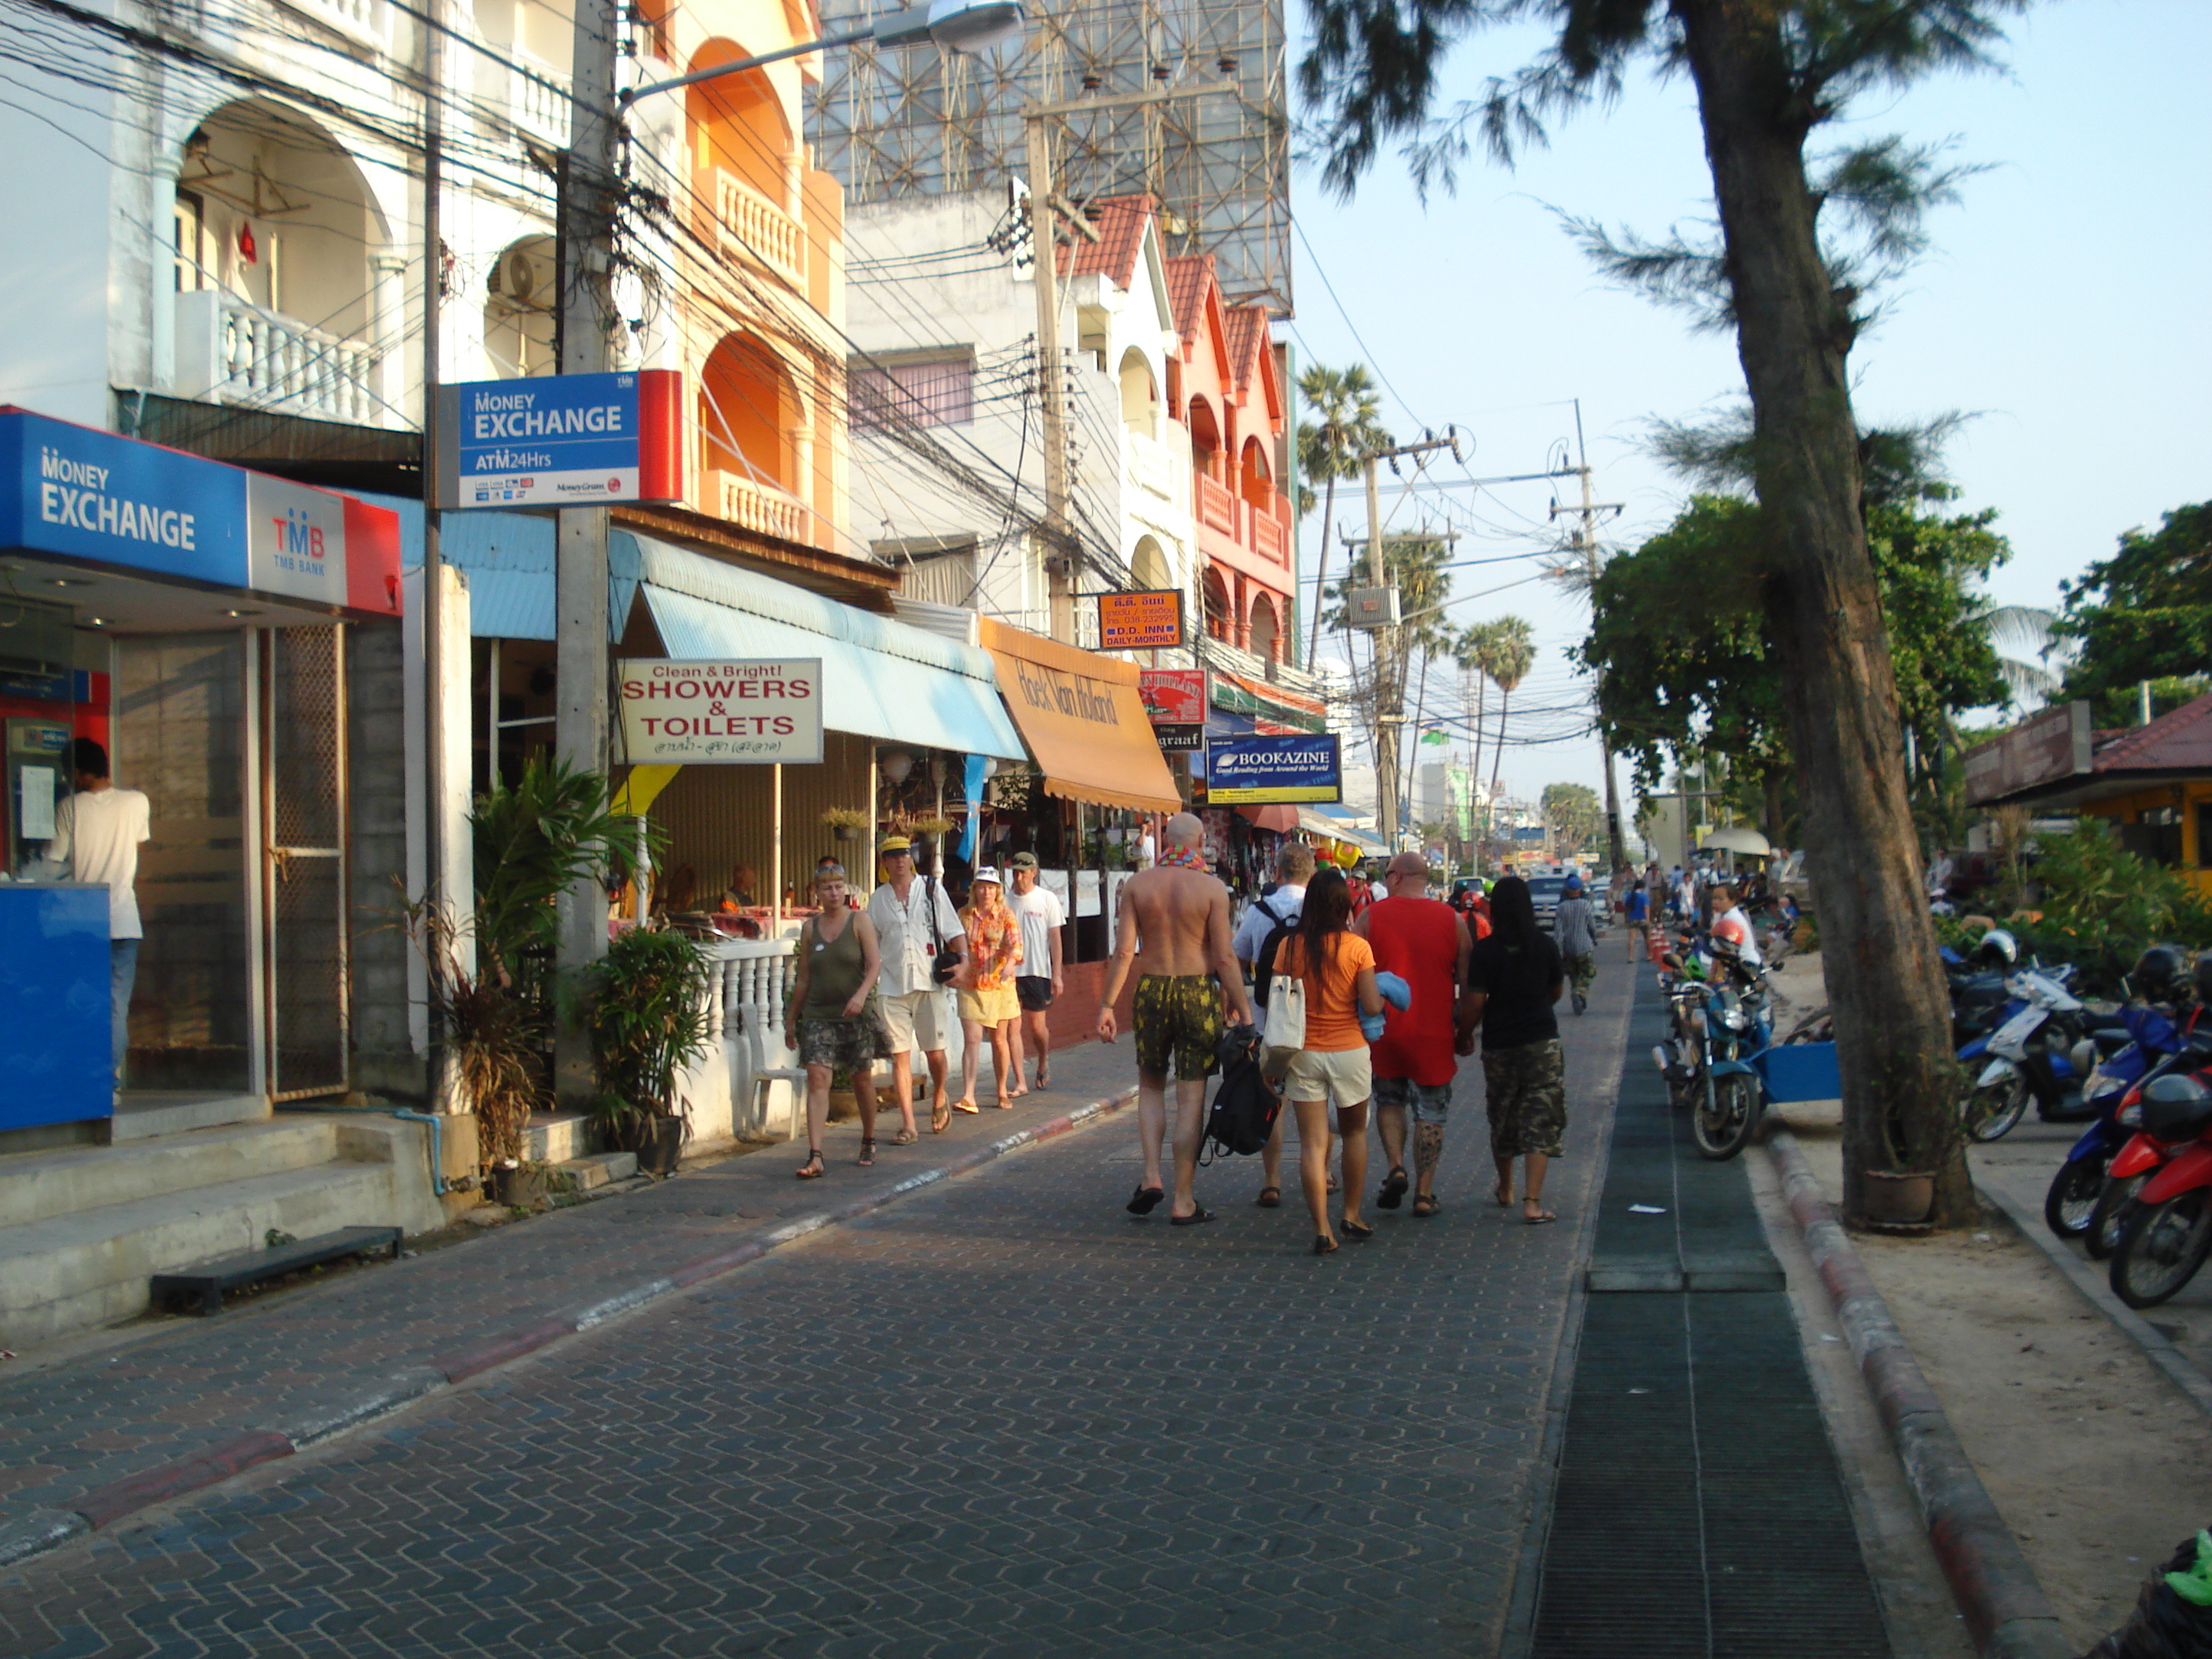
(1262, 771)
(1150, 619)
(1175, 701)
(561, 440)
(690, 711)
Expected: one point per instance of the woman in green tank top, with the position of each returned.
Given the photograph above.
(829, 1020)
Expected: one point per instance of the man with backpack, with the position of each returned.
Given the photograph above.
(1574, 929)
(1266, 923)
(1425, 942)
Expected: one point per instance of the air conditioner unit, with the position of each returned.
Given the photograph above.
(1371, 607)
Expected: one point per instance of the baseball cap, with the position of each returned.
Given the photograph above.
(990, 873)
(1022, 861)
(890, 844)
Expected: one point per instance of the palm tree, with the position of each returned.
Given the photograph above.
(1344, 405)
(1513, 653)
(2031, 654)
(1473, 655)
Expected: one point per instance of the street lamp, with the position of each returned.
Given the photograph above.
(959, 24)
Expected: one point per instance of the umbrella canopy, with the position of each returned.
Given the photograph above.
(1738, 838)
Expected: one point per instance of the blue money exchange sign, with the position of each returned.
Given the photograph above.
(561, 440)
(1261, 771)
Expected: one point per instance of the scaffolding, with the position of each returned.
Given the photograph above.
(922, 120)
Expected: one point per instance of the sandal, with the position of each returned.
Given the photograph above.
(1424, 1206)
(1044, 1077)
(964, 1104)
(812, 1170)
(1324, 1245)
(1004, 1103)
(1503, 1192)
(905, 1138)
(1145, 1200)
(1271, 1198)
(1393, 1188)
(940, 1118)
(1354, 1231)
(1542, 1218)
(867, 1157)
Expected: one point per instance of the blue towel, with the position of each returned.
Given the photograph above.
(1395, 990)
(1371, 1026)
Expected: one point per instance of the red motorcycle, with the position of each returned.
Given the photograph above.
(2165, 1231)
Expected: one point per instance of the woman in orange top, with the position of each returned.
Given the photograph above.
(987, 1005)
(1339, 970)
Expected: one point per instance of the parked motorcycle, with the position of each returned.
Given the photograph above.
(2042, 1052)
(1739, 1028)
(2168, 1231)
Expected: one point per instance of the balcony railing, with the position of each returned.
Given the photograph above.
(1149, 469)
(1260, 529)
(539, 99)
(759, 230)
(231, 352)
(360, 19)
(1216, 505)
(765, 512)
(1268, 536)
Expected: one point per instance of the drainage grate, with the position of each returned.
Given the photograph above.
(1698, 1513)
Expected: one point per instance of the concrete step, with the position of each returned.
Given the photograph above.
(554, 1137)
(34, 1185)
(142, 1114)
(91, 1268)
(584, 1174)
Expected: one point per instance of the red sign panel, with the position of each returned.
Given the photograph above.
(1175, 701)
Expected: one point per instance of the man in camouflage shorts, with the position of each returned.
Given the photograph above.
(1514, 978)
(1526, 1089)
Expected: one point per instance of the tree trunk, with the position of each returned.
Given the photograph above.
(1823, 606)
(1321, 572)
(1771, 784)
(1481, 711)
(1497, 760)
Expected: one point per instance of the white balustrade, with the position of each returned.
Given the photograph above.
(363, 20)
(1149, 467)
(766, 512)
(538, 97)
(758, 227)
(231, 352)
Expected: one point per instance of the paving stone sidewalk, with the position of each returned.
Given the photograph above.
(309, 1358)
(999, 1416)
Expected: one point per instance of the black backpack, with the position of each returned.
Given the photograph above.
(1263, 969)
(1244, 1108)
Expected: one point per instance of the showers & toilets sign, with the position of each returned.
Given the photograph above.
(690, 711)
(564, 441)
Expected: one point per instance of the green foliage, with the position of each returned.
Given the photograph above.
(2144, 614)
(1343, 424)
(534, 843)
(1575, 813)
(486, 1032)
(1680, 641)
(644, 1009)
(2091, 886)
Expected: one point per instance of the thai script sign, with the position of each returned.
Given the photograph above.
(1175, 700)
(1150, 619)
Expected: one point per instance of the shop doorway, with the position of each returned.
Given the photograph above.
(303, 799)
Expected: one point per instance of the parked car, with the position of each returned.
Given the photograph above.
(1545, 891)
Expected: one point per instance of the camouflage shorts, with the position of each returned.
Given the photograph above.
(1581, 970)
(1525, 1092)
(1177, 1017)
(1431, 1103)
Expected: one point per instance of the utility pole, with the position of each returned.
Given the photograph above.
(436, 761)
(1390, 681)
(1045, 207)
(1586, 544)
(579, 582)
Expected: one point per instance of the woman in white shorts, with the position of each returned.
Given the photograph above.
(1332, 1069)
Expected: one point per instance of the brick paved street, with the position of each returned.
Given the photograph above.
(997, 1417)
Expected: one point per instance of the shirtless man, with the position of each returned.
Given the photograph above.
(1174, 926)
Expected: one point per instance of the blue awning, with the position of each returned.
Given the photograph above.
(880, 679)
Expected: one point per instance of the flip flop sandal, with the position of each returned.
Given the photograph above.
(1503, 1196)
(1324, 1245)
(1271, 1198)
(1424, 1206)
(1393, 1188)
(812, 1170)
(964, 1104)
(905, 1138)
(1004, 1102)
(1542, 1218)
(1354, 1231)
(940, 1119)
(1145, 1200)
(1043, 1079)
(867, 1157)
(1194, 1219)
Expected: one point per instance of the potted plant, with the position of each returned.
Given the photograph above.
(490, 1049)
(644, 1011)
(845, 822)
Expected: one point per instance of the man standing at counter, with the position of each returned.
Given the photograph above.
(97, 831)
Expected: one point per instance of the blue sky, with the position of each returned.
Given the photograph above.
(2063, 305)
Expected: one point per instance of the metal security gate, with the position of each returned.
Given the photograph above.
(305, 875)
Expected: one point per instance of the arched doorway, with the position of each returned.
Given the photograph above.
(275, 296)
(1149, 565)
(749, 421)
(1140, 395)
(1266, 635)
(521, 310)
(1255, 479)
(1214, 596)
(744, 162)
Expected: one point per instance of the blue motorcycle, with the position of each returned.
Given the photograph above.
(2081, 1202)
(1737, 1025)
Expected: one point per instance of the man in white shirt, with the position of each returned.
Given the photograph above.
(97, 831)
(1043, 917)
(912, 918)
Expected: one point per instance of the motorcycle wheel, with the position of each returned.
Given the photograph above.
(2071, 1203)
(2161, 1247)
(1989, 1113)
(1724, 1119)
(2114, 1205)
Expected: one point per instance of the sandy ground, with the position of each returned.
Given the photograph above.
(2099, 1464)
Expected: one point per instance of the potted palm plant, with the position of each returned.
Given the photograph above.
(645, 1011)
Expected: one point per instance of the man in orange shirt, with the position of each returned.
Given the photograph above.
(1426, 943)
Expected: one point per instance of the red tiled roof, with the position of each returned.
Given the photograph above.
(1188, 277)
(1247, 327)
(2178, 742)
(1120, 221)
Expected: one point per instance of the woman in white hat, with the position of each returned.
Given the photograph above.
(988, 1002)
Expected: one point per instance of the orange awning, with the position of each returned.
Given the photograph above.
(1083, 720)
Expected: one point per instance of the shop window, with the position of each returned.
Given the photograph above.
(937, 390)
(2156, 835)
(2204, 834)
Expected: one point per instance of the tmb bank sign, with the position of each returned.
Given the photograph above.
(694, 712)
(89, 498)
(564, 441)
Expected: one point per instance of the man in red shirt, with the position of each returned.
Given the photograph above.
(1425, 942)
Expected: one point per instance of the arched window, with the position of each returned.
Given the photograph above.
(750, 419)
(737, 129)
(1255, 477)
(1140, 395)
(1150, 566)
(1219, 623)
(1266, 639)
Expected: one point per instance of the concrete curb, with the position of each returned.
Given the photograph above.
(40, 1530)
(2089, 1279)
(2005, 1608)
